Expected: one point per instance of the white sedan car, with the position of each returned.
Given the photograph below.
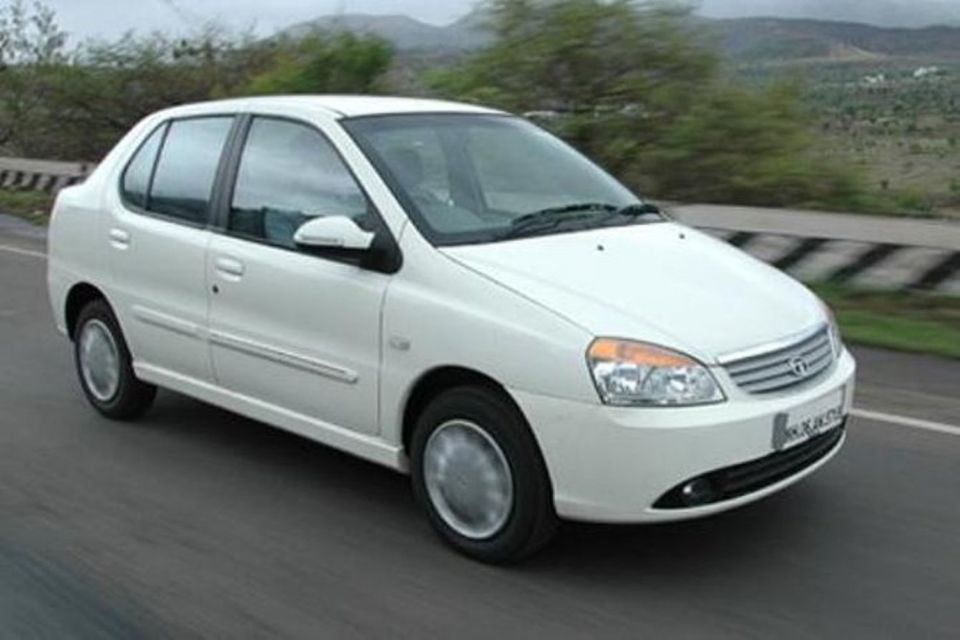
(452, 292)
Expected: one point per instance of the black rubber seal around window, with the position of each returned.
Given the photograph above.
(227, 174)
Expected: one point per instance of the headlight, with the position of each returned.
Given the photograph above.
(634, 373)
(834, 329)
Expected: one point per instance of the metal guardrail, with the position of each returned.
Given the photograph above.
(41, 175)
(864, 251)
(869, 264)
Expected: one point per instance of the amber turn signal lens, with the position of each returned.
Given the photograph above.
(636, 353)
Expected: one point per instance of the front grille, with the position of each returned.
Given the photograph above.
(785, 366)
(742, 479)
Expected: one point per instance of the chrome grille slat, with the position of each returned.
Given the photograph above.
(823, 360)
(773, 371)
(809, 353)
(772, 358)
(780, 366)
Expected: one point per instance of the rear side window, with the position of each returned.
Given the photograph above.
(289, 173)
(136, 179)
(189, 157)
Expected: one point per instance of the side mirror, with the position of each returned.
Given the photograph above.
(333, 232)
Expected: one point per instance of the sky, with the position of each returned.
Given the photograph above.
(110, 18)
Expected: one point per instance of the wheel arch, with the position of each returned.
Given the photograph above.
(438, 380)
(80, 295)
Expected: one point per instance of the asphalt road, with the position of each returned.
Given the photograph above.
(197, 523)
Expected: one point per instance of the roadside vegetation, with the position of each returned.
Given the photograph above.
(74, 104)
(896, 121)
(33, 206)
(637, 88)
(637, 85)
(632, 84)
(903, 321)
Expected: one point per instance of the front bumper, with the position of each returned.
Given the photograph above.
(613, 464)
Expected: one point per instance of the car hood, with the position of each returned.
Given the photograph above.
(661, 283)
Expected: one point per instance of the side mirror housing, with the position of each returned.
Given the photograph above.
(333, 232)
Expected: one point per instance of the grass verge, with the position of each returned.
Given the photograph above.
(902, 321)
(33, 206)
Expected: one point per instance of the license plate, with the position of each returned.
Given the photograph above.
(808, 421)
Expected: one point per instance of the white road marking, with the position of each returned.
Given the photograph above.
(23, 252)
(904, 421)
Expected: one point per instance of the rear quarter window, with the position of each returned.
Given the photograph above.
(136, 177)
(189, 157)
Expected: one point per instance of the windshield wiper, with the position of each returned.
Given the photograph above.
(596, 213)
(636, 211)
(551, 218)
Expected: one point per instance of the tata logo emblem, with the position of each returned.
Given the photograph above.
(799, 367)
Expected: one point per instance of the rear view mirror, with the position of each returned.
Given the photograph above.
(333, 232)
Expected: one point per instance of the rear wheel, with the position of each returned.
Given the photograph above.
(105, 367)
(478, 473)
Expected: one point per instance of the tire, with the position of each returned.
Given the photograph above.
(495, 427)
(122, 398)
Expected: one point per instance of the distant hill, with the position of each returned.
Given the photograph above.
(754, 39)
(404, 32)
(884, 13)
(763, 39)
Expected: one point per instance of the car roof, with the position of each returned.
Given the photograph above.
(336, 106)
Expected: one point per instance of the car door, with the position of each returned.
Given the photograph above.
(157, 237)
(298, 331)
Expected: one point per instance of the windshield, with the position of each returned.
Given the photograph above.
(482, 178)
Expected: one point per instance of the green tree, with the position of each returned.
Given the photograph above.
(31, 46)
(581, 55)
(635, 87)
(323, 63)
(746, 147)
(109, 86)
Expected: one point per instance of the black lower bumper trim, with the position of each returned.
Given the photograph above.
(739, 480)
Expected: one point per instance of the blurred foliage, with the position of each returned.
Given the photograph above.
(635, 85)
(631, 85)
(899, 128)
(76, 105)
(34, 206)
(581, 56)
(108, 87)
(904, 321)
(31, 47)
(338, 63)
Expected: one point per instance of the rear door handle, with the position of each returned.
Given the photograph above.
(119, 238)
(229, 267)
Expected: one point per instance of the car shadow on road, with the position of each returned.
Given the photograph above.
(720, 543)
(258, 452)
(716, 544)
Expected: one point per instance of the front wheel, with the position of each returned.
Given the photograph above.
(105, 367)
(479, 474)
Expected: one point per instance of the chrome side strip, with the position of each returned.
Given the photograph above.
(281, 356)
(770, 347)
(164, 321)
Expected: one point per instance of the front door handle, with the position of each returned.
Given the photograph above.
(229, 267)
(119, 238)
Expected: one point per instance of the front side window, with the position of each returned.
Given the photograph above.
(187, 167)
(467, 178)
(289, 173)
